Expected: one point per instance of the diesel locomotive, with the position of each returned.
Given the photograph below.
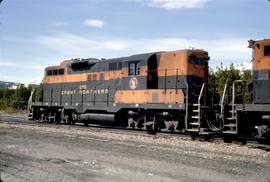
(157, 91)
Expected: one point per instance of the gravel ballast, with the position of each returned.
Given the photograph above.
(63, 153)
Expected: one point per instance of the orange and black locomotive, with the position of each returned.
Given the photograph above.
(137, 89)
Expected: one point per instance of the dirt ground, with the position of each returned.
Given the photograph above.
(62, 153)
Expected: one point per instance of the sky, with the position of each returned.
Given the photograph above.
(39, 33)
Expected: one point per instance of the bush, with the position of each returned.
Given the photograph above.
(12, 100)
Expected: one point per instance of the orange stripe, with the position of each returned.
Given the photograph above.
(155, 96)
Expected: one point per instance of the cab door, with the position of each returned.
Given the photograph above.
(152, 73)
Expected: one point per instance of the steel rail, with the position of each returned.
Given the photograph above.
(250, 142)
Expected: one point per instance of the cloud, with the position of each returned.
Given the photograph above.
(241, 65)
(11, 64)
(36, 81)
(71, 45)
(94, 23)
(15, 39)
(19, 72)
(78, 46)
(173, 4)
(58, 24)
(115, 45)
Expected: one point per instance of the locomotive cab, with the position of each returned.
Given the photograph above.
(261, 88)
(261, 71)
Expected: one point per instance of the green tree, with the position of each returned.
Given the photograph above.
(222, 76)
(228, 75)
(14, 99)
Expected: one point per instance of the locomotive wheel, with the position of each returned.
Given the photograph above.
(74, 118)
(193, 136)
(131, 124)
(171, 126)
(65, 119)
(263, 141)
(140, 125)
(151, 127)
(227, 139)
(42, 117)
(54, 119)
(260, 141)
(69, 119)
(207, 138)
(244, 142)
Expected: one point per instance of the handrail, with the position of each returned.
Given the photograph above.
(30, 102)
(199, 102)
(201, 92)
(233, 96)
(223, 98)
(186, 106)
(177, 76)
(186, 117)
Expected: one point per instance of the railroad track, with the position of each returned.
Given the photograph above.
(11, 118)
(94, 127)
(121, 130)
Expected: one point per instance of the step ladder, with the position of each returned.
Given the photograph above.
(193, 121)
(193, 115)
(30, 115)
(230, 123)
(229, 112)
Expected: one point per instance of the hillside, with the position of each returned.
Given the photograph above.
(4, 84)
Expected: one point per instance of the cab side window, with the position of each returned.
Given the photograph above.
(267, 50)
(49, 72)
(55, 72)
(134, 68)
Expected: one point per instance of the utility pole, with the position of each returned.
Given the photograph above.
(0, 158)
